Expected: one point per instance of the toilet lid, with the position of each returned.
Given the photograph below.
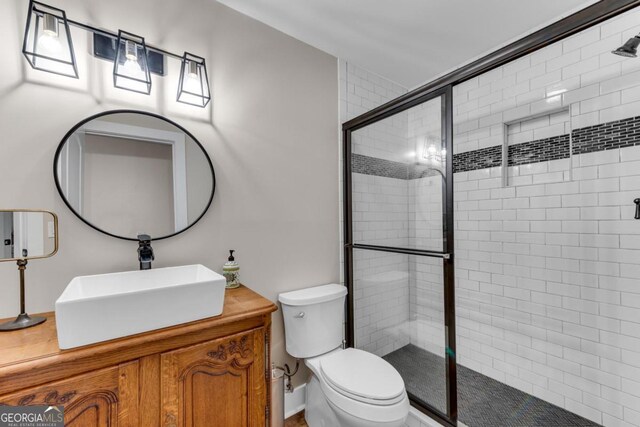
(361, 374)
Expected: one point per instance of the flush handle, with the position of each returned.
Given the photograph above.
(637, 202)
(300, 315)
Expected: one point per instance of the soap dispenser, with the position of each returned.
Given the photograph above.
(230, 271)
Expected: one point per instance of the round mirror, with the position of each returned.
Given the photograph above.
(127, 173)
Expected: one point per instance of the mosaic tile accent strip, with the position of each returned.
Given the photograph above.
(540, 150)
(421, 171)
(478, 159)
(607, 136)
(379, 167)
(389, 169)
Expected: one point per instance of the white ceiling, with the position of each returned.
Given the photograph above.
(407, 41)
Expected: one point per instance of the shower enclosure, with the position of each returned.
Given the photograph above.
(530, 158)
(399, 245)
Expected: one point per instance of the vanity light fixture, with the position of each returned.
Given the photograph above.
(193, 87)
(130, 68)
(47, 40)
(48, 47)
(432, 155)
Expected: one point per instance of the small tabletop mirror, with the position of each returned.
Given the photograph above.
(25, 235)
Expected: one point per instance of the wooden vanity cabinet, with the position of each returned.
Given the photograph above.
(213, 372)
(104, 398)
(216, 383)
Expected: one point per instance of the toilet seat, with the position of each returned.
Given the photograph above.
(363, 377)
(368, 411)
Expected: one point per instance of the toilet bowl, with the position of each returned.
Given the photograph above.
(360, 388)
(348, 387)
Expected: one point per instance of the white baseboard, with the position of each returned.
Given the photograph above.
(418, 419)
(295, 402)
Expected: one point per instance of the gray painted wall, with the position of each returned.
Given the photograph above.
(271, 132)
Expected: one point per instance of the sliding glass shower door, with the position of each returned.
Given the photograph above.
(399, 245)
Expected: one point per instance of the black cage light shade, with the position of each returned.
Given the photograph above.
(131, 67)
(47, 46)
(193, 85)
(47, 41)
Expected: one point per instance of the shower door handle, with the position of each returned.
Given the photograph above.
(637, 202)
(408, 251)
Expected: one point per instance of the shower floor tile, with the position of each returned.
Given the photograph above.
(482, 401)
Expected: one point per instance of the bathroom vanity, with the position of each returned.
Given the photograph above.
(211, 372)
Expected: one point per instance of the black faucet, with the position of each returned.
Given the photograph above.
(145, 251)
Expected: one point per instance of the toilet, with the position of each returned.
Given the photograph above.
(348, 387)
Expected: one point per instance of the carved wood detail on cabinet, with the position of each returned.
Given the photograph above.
(234, 347)
(89, 400)
(216, 383)
(96, 409)
(212, 372)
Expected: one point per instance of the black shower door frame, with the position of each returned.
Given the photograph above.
(447, 255)
(572, 24)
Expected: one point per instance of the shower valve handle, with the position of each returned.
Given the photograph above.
(637, 202)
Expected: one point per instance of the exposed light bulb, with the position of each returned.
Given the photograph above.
(49, 45)
(193, 69)
(132, 68)
(130, 51)
(192, 81)
(131, 65)
(49, 42)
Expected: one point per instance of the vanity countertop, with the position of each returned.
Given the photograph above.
(31, 356)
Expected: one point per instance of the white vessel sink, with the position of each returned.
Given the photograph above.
(107, 306)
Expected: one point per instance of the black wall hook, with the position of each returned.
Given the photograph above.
(637, 202)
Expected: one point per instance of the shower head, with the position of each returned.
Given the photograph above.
(629, 49)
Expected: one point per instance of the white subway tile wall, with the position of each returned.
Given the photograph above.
(399, 297)
(426, 303)
(381, 289)
(380, 216)
(548, 267)
(546, 279)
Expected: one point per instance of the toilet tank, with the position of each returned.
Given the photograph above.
(313, 319)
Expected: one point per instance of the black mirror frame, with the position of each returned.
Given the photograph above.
(146, 113)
